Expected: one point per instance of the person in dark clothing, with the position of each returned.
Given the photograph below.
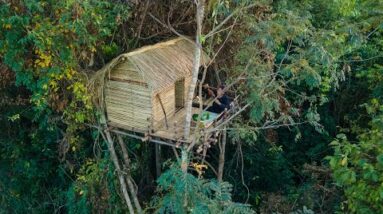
(221, 103)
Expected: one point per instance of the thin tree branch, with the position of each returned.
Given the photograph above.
(170, 28)
(228, 18)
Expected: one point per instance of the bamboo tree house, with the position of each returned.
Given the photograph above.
(145, 90)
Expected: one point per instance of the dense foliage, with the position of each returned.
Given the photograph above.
(180, 193)
(307, 136)
(46, 47)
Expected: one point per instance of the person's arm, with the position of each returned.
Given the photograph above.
(217, 101)
(210, 92)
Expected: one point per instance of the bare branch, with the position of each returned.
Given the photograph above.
(170, 28)
(228, 18)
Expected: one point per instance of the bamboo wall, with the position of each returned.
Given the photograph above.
(129, 102)
(128, 105)
(168, 101)
(127, 71)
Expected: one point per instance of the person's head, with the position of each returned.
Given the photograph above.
(220, 91)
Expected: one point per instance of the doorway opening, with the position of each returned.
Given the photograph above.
(180, 93)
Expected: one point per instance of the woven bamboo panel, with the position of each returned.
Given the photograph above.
(127, 71)
(128, 104)
(129, 88)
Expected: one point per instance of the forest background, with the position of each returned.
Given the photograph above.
(308, 138)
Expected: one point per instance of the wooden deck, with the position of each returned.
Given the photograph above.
(173, 132)
(176, 124)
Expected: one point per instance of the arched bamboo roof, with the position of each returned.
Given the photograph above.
(159, 65)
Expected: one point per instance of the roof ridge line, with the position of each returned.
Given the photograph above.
(151, 47)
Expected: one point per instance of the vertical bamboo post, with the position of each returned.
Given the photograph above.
(221, 163)
(184, 168)
(176, 153)
(129, 178)
(184, 160)
(158, 159)
(114, 158)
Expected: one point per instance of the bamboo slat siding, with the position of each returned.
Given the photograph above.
(128, 104)
(127, 71)
(167, 97)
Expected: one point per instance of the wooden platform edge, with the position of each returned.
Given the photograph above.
(141, 136)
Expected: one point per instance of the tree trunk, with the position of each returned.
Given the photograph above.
(184, 168)
(114, 158)
(190, 95)
(221, 162)
(196, 65)
(184, 160)
(128, 176)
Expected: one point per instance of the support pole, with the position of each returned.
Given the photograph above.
(221, 160)
(129, 178)
(114, 158)
(184, 168)
(176, 153)
(184, 160)
(158, 159)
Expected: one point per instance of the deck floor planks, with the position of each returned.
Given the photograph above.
(175, 131)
